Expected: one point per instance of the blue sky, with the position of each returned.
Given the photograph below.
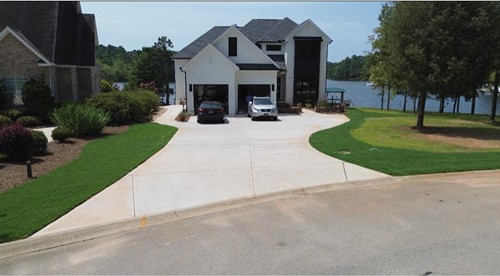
(134, 25)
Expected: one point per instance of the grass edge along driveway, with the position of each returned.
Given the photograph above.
(30, 207)
(339, 143)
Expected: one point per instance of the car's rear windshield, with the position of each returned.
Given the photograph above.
(211, 105)
(262, 102)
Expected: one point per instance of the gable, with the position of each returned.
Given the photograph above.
(309, 29)
(8, 33)
(247, 51)
(208, 61)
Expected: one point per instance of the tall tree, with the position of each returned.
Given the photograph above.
(440, 48)
(154, 64)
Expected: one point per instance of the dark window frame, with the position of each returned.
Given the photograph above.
(277, 48)
(232, 43)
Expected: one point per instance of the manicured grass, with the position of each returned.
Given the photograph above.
(28, 208)
(384, 141)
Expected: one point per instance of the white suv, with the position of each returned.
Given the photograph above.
(262, 107)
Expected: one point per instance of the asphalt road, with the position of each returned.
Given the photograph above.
(443, 224)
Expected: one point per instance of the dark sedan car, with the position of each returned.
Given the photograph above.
(211, 111)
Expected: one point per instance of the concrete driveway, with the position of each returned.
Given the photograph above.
(211, 163)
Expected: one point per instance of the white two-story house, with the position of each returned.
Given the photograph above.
(266, 57)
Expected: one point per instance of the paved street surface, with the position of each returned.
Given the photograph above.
(439, 224)
(210, 163)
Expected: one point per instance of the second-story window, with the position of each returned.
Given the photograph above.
(273, 47)
(233, 47)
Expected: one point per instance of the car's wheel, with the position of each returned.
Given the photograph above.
(222, 121)
(253, 118)
(199, 121)
(275, 118)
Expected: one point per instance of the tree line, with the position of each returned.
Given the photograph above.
(440, 49)
(354, 68)
(151, 64)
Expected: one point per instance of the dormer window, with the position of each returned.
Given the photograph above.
(273, 48)
(233, 46)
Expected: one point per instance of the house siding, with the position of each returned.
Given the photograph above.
(64, 84)
(17, 59)
(84, 82)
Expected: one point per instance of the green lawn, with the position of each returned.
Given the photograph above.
(384, 141)
(28, 208)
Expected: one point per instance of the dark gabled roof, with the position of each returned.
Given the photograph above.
(279, 60)
(201, 42)
(35, 20)
(268, 30)
(256, 66)
(57, 29)
(257, 30)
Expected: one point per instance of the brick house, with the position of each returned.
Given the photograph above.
(53, 40)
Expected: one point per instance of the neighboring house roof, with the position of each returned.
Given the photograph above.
(268, 30)
(57, 29)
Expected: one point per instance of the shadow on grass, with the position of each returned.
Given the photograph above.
(481, 133)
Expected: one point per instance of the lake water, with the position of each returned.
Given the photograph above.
(362, 95)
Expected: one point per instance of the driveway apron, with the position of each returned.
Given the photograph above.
(210, 163)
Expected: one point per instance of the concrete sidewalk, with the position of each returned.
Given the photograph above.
(209, 163)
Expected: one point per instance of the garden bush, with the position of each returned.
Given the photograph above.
(13, 114)
(323, 103)
(61, 134)
(5, 121)
(28, 121)
(126, 107)
(282, 104)
(37, 97)
(80, 119)
(16, 142)
(40, 142)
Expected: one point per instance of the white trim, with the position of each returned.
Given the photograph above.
(35, 51)
(308, 21)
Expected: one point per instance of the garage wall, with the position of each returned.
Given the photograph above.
(210, 66)
(180, 91)
(258, 77)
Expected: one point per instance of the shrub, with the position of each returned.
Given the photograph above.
(28, 121)
(14, 114)
(323, 103)
(37, 97)
(126, 107)
(80, 119)
(148, 103)
(16, 142)
(183, 116)
(39, 143)
(5, 121)
(61, 134)
(106, 86)
(283, 105)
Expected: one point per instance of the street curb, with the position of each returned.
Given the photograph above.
(39, 243)
(44, 242)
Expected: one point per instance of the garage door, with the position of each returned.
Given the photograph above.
(256, 90)
(210, 92)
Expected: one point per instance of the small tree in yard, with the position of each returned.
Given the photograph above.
(37, 98)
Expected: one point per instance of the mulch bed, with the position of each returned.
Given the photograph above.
(13, 174)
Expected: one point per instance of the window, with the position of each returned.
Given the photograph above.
(273, 47)
(13, 85)
(233, 47)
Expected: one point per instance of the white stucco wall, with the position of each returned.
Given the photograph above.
(211, 67)
(258, 77)
(180, 91)
(289, 49)
(247, 52)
